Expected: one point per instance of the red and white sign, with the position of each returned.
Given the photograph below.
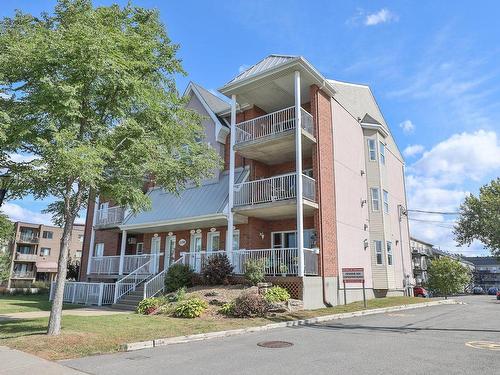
(353, 275)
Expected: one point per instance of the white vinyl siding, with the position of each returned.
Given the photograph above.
(372, 149)
(382, 153)
(375, 195)
(378, 251)
(389, 253)
(386, 202)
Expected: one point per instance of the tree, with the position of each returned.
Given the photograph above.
(447, 276)
(73, 267)
(91, 96)
(6, 234)
(480, 218)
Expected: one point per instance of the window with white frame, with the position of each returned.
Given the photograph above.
(236, 239)
(213, 241)
(45, 251)
(375, 193)
(389, 253)
(372, 149)
(386, 201)
(382, 152)
(378, 251)
(99, 249)
(139, 248)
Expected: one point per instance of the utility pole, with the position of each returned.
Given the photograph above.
(402, 211)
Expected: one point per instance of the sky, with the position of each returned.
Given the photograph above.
(432, 65)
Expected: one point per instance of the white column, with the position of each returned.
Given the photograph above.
(298, 167)
(122, 251)
(92, 236)
(232, 137)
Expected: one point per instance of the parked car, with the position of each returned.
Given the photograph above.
(498, 295)
(477, 290)
(419, 291)
(492, 291)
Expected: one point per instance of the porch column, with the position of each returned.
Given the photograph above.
(298, 167)
(232, 137)
(92, 236)
(122, 251)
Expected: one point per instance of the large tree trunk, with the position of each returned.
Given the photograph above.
(54, 327)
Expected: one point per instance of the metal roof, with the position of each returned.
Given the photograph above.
(484, 261)
(267, 63)
(216, 104)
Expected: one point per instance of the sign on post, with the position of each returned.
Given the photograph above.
(354, 275)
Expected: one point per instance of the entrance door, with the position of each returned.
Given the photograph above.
(213, 241)
(169, 251)
(155, 254)
(195, 250)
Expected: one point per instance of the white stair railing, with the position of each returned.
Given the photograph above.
(128, 283)
(155, 285)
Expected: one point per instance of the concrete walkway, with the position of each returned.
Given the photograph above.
(14, 362)
(84, 311)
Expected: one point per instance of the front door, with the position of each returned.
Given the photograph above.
(155, 254)
(195, 250)
(169, 251)
(213, 241)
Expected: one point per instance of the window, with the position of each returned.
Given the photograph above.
(44, 251)
(386, 201)
(378, 251)
(236, 240)
(99, 250)
(139, 248)
(375, 192)
(382, 153)
(389, 253)
(372, 149)
(78, 254)
(213, 239)
(47, 234)
(80, 237)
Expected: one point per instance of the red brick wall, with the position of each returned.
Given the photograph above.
(325, 179)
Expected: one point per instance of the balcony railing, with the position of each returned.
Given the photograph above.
(23, 274)
(272, 124)
(110, 216)
(28, 238)
(26, 257)
(110, 265)
(273, 189)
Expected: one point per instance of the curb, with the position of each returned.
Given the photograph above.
(292, 323)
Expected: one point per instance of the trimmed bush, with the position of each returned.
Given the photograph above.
(276, 294)
(217, 270)
(148, 305)
(254, 271)
(190, 308)
(178, 276)
(249, 305)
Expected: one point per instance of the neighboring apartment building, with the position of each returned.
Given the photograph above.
(487, 271)
(421, 253)
(313, 182)
(35, 252)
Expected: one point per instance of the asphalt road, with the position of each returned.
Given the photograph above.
(430, 340)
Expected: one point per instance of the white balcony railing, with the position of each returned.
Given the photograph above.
(26, 257)
(272, 189)
(86, 293)
(110, 216)
(110, 265)
(275, 262)
(272, 124)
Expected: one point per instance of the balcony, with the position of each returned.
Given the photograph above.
(23, 274)
(26, 257)
(28, 238)
(271, 138)
(110, 265)
(274, 197)
(110, 217)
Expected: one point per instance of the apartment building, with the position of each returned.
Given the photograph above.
(486, 271)
(312, 183)
(421, 253)
(35, 252)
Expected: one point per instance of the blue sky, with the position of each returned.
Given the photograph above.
(433, 67)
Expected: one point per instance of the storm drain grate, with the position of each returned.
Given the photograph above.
(275, 344)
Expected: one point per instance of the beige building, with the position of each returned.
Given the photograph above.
(35, 252)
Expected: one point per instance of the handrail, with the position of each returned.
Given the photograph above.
(128, 283)
(155, 285)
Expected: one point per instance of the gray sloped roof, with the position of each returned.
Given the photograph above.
(215, 103)
(369, 120)
(207, 199)
(267, 63)
(484, 261)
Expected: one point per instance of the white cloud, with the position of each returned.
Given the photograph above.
(407, 126)
(413, 150)
(17, 213)
(21, 158)
(382, 16)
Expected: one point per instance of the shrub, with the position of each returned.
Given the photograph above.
(148, 305)
(176, 296)
(217, 270)
(42, 286)
(178, 276)
(249, 305)
(254, 271)
(227, 309)
(190, 308)
(276, 294)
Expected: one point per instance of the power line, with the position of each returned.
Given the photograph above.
(434, 212)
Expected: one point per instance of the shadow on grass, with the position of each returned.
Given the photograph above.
(17, 328)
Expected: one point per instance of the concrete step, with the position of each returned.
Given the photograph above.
(120, 306)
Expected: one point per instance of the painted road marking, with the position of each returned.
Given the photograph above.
(489, 345)
(396, 315)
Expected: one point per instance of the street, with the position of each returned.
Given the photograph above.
(433, 340)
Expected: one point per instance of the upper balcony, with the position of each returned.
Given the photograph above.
(22, 257)
(29, 238)
(274, 197)
(109, 217)
(271, 138)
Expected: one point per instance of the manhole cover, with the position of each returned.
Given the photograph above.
(275, 344)
(489, 345)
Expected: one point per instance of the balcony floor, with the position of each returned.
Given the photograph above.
(284, 209)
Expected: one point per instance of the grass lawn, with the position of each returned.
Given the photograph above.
(84, 336)
(27, 303)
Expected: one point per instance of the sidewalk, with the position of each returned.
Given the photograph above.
(15, 362)
(84, 311)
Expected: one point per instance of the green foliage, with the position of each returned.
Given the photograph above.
(178, 276)
(6, 229)
(5, 262)
(176, 296)
(447, 276)
(227, 309)
(276, 294)
(254, 271)
(480, 217)
(250, 305)
(148, 305)
(73, 269)
(190, 308)
(217, 270)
